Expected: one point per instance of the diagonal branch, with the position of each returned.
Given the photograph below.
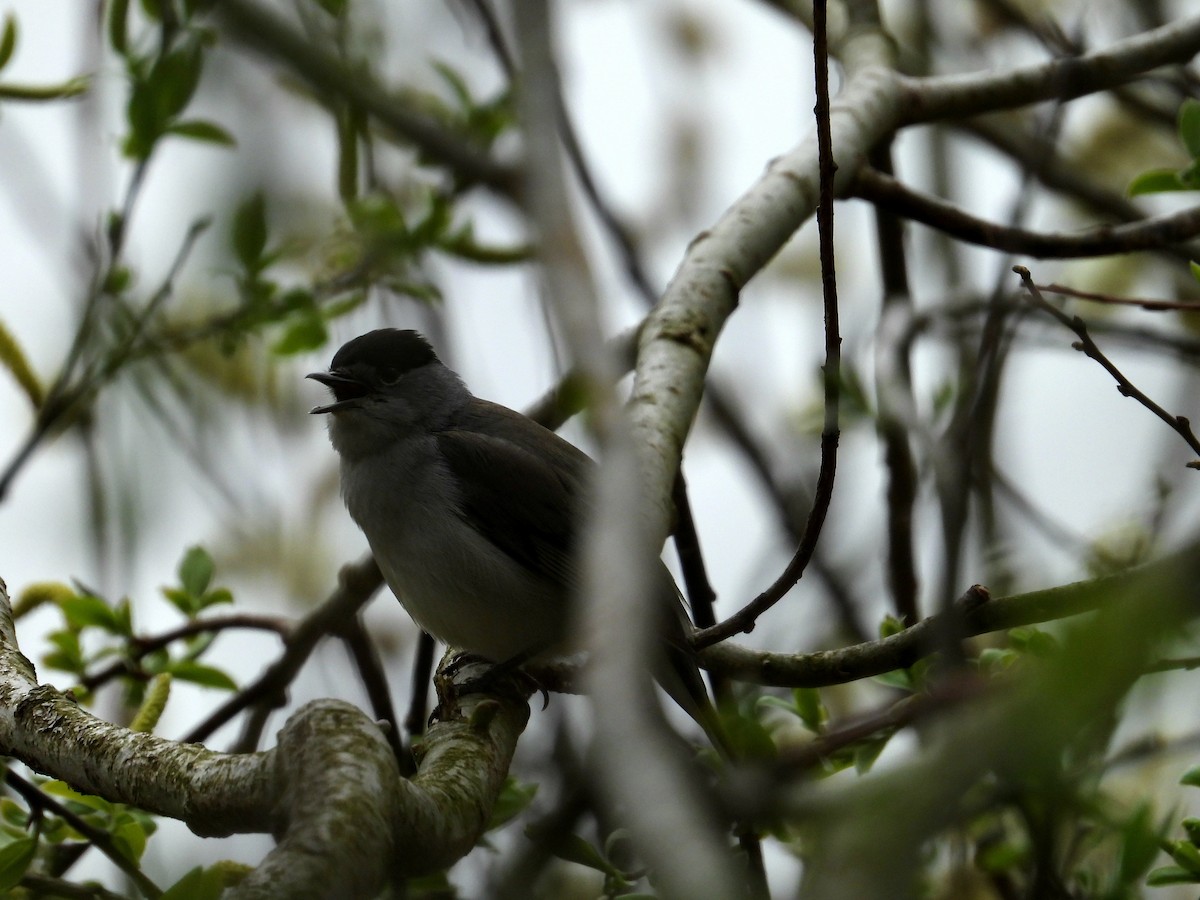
(1153, 233)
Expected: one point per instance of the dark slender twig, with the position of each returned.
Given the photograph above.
(792, 501)
(141, 646)
(1112, 300)
(422, 670)
(1179, 424)
(897, 456)
(357, 583)
(98, 837)
(1152, 233)
(744, 619)
(370, 670)
(890, 718)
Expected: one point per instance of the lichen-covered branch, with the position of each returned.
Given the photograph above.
(330, 791)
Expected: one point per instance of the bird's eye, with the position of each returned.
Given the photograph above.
(388, 375)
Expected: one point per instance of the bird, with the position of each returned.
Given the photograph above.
(473, 511)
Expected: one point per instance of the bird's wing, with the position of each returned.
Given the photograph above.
(532, 513)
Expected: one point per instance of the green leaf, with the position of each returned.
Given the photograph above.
(1170, 875)
(8, 41)
(198, 884)
(196, 571)
(575, 849)
(335, 8)
(1195, 267)
(1191, 777)
(514, 798)
(118, 34)
(202, 130)
(69, 656)
(198, 673)
(1139, 844)
(810, 709)
(1156, 181)
(215, 597)
(249, 237)
(13, 358)
(64, 791)
(1189, 126)
(303, 334)
(14, 861)
(82, 610)
(130, 837)
(186, 603)
(867, 752)
(1186, 854)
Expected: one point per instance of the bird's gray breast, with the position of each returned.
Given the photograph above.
(450, 578)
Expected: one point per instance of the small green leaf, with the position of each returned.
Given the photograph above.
(1186, 854)
(1170, 875)
(249, 237)
(1195, 267)
(202, 130)
(186, 603)
(14, 861)
(305, 333)
(68, 657)
(130, 837)
(13, 358)
(84, 610)
(198, 673)
(1156, 181)
(65, 792)
(335, 8)
(575, 849)
(514, 798)
(215, 597)
(867, 752)
(8, 41)
(1189, 126)
(198, 884)
(196, 571)
(810, 709)
(1191, 777)
(118, 34)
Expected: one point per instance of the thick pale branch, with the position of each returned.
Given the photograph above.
(331, 790)
(955, 96)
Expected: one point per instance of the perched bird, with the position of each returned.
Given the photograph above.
(473, 510)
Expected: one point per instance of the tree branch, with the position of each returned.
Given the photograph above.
(1104, 240)
(934, 98)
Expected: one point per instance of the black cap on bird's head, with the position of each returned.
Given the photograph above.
(377, 359)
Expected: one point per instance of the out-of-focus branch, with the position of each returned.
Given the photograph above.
(657, 798)
(974, 613)
(263, 31)
(938, 97)
(870, 830)
(1147, 234)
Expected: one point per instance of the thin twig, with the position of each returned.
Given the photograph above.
(98, 837)
(1113, 300)
(1152, 233)
(745, 619)
(1179, 424)
(357, 583)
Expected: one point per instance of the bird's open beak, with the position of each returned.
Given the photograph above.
(345, 389)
